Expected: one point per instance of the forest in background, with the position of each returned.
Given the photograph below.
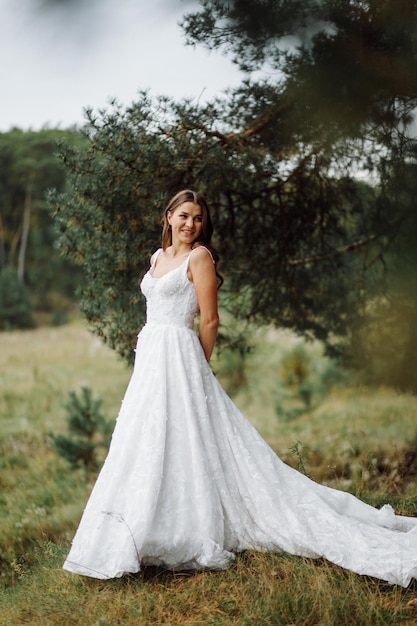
(36, 283)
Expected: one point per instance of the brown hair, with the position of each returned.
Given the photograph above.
(187, 195)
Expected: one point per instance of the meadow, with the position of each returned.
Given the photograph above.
(316, 417)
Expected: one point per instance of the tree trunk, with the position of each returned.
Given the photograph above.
(25, 232)
(14, 244)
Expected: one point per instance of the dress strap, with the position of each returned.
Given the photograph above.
(188, 258)
(155, 256)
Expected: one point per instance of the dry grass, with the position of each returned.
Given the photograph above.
(39, 367)
(41, 500)
(257, 590)
(351, 437)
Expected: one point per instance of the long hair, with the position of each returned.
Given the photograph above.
(204, 238)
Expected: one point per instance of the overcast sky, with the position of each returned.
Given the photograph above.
(55, 62)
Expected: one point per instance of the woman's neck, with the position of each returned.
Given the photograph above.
(176, 250)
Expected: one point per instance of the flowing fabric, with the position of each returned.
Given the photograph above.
(188, 482)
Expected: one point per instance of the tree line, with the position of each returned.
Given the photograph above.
(33, 275)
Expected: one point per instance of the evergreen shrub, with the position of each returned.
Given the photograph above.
(15, 305)
(88, 430)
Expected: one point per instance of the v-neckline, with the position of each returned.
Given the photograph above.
(169, 271)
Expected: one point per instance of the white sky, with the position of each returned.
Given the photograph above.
(54, 63)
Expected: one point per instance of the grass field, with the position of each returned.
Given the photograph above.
(362, 440)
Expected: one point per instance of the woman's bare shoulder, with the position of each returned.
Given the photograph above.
(201, 253)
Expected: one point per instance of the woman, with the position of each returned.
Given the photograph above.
(188, 482)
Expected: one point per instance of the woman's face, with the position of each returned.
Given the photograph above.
(186, 223)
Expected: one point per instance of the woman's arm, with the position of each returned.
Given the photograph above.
(203, 275)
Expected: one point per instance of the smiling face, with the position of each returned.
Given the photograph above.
(186, 223)
(182, 201)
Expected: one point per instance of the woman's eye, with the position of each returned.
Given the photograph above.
(198, 219)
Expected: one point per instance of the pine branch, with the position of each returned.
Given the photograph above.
(324, 257)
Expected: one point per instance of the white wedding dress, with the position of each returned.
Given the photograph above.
(188, 482)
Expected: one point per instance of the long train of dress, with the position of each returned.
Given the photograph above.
(188, 482)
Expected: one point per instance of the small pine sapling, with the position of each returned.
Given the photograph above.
(87, 430)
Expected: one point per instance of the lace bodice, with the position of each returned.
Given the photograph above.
(170, 299)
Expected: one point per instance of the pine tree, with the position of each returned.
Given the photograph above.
(305, 244)
(88, 430)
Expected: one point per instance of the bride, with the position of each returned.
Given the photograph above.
(188, 482)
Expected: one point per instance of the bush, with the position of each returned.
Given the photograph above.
(15, 306)
(88, 430)
(307, 376)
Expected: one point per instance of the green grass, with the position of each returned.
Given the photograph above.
(359, 439)
(39, 496)
(257, 590)
(351, 437)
